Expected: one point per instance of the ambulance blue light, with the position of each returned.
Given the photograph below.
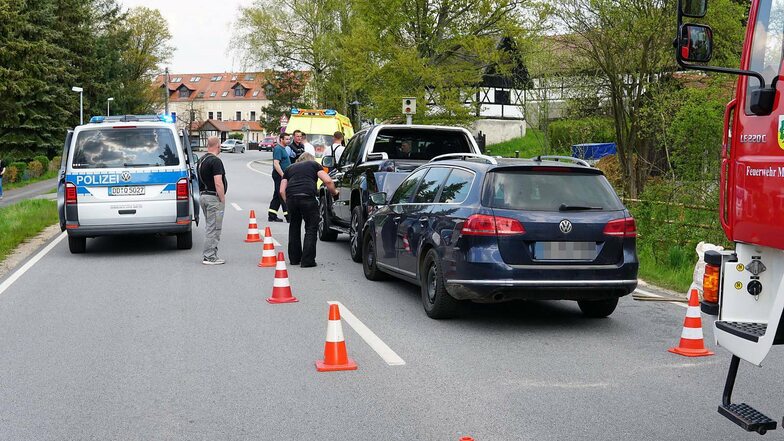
(168, 118)
(97, 119)
(330, 112)
(295, 111)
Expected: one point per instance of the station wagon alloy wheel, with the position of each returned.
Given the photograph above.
(369, 263)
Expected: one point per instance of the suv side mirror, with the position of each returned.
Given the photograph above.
(328, 161)
(694, 8)
(696, 43)
(379, 198)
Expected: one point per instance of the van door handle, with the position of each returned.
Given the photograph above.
(396, 219)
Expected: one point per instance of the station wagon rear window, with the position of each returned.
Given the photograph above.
(125, 147)
(549, 191)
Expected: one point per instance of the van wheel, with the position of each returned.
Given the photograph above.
(435, 298)
(354, 229)
(597, 308)
(77, 245)
(185, 240)
(325, 234)
(243, 150)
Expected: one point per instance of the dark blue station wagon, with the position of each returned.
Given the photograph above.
(473, 227)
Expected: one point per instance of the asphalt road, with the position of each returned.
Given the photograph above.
(136, 340)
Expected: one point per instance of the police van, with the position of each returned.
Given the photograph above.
(130, 174)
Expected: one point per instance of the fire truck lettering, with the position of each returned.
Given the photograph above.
(767, 172)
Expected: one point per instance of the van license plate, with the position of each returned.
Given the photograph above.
(134, 190)
(565, 250)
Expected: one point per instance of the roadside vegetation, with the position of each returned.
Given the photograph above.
(24, 220)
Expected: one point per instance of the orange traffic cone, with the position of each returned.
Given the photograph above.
(281, 290)
(692, 343)
(268, 251)
(335, 354)
(253, 229)
(466, 438)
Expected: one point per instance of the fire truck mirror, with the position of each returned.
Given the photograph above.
(694, 8)
(696, 43)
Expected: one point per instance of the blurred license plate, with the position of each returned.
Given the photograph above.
(133, 190)
(565, 250)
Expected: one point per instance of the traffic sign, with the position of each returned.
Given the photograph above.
(409, 106)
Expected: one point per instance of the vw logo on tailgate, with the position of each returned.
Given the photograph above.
(125, 176)
(565, 226)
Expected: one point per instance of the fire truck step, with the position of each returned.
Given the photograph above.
(746, 330)
(747, 417)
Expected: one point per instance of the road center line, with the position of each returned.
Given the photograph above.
(236, 207)
(18, 273)
(648, 293)
(276, 243)
(253, 169)
(386, 353)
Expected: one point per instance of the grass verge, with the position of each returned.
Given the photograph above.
(44, 177)
(675, 274)
(24, 220)
(532, 144)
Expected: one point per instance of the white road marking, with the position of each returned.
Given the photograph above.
(386, 353)
(236, 207)
(648, 293)
(253, 169)
(18, 273)
(275, 241)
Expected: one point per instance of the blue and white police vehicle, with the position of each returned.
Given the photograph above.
(129, 174)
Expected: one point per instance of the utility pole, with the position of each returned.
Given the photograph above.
(166, 92)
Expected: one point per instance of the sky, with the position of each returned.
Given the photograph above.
(201, 31)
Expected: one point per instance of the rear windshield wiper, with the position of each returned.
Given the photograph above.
(565, 207)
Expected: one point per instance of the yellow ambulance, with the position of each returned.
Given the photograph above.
(319, 125)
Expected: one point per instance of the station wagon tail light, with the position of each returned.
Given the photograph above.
(710, 284)
(488, 225)
(70, 193)
(182, 189)
(625, 227)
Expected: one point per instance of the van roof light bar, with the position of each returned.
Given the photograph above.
(579, 161)
(464, 156)
(134, 118)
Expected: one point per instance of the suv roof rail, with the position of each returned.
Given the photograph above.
(579, 161)
(487, 159)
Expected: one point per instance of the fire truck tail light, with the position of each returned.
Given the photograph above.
(710, 284)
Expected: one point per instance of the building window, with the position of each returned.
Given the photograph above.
(216, 78)
(200, 95)
(240, 91)
(220, 116)
(234, 78)
(212, 95)
(255, 93)
(184, 92)
(253, 116)
(249, 77)
(502, 97)
(177, 80)
(195, 79)
(209, 115)
(225, 93)
(238, 116)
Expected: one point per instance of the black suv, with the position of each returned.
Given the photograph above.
(473, 227)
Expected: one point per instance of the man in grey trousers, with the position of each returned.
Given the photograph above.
(212, 188)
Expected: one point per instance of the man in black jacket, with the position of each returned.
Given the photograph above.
(298, 189)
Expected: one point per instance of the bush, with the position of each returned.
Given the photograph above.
(35, 169)
(44, 162)
(21, 168)
(12, 174)
(567, 132)
(54, 165)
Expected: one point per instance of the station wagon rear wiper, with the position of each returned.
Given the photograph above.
(565, 207)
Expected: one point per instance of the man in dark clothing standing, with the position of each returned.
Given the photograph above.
(298, 189)
(280, 162)
(212, 191)
(297, 145)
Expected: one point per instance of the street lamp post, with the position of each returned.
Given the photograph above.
(108, 100)
(81, 103)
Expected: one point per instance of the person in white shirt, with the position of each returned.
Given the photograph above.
(337, 146)
(308, 146)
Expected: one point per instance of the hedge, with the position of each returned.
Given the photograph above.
(34, 169)
(567, 132)
(44, 161)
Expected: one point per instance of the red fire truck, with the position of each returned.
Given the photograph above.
(745, 287)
